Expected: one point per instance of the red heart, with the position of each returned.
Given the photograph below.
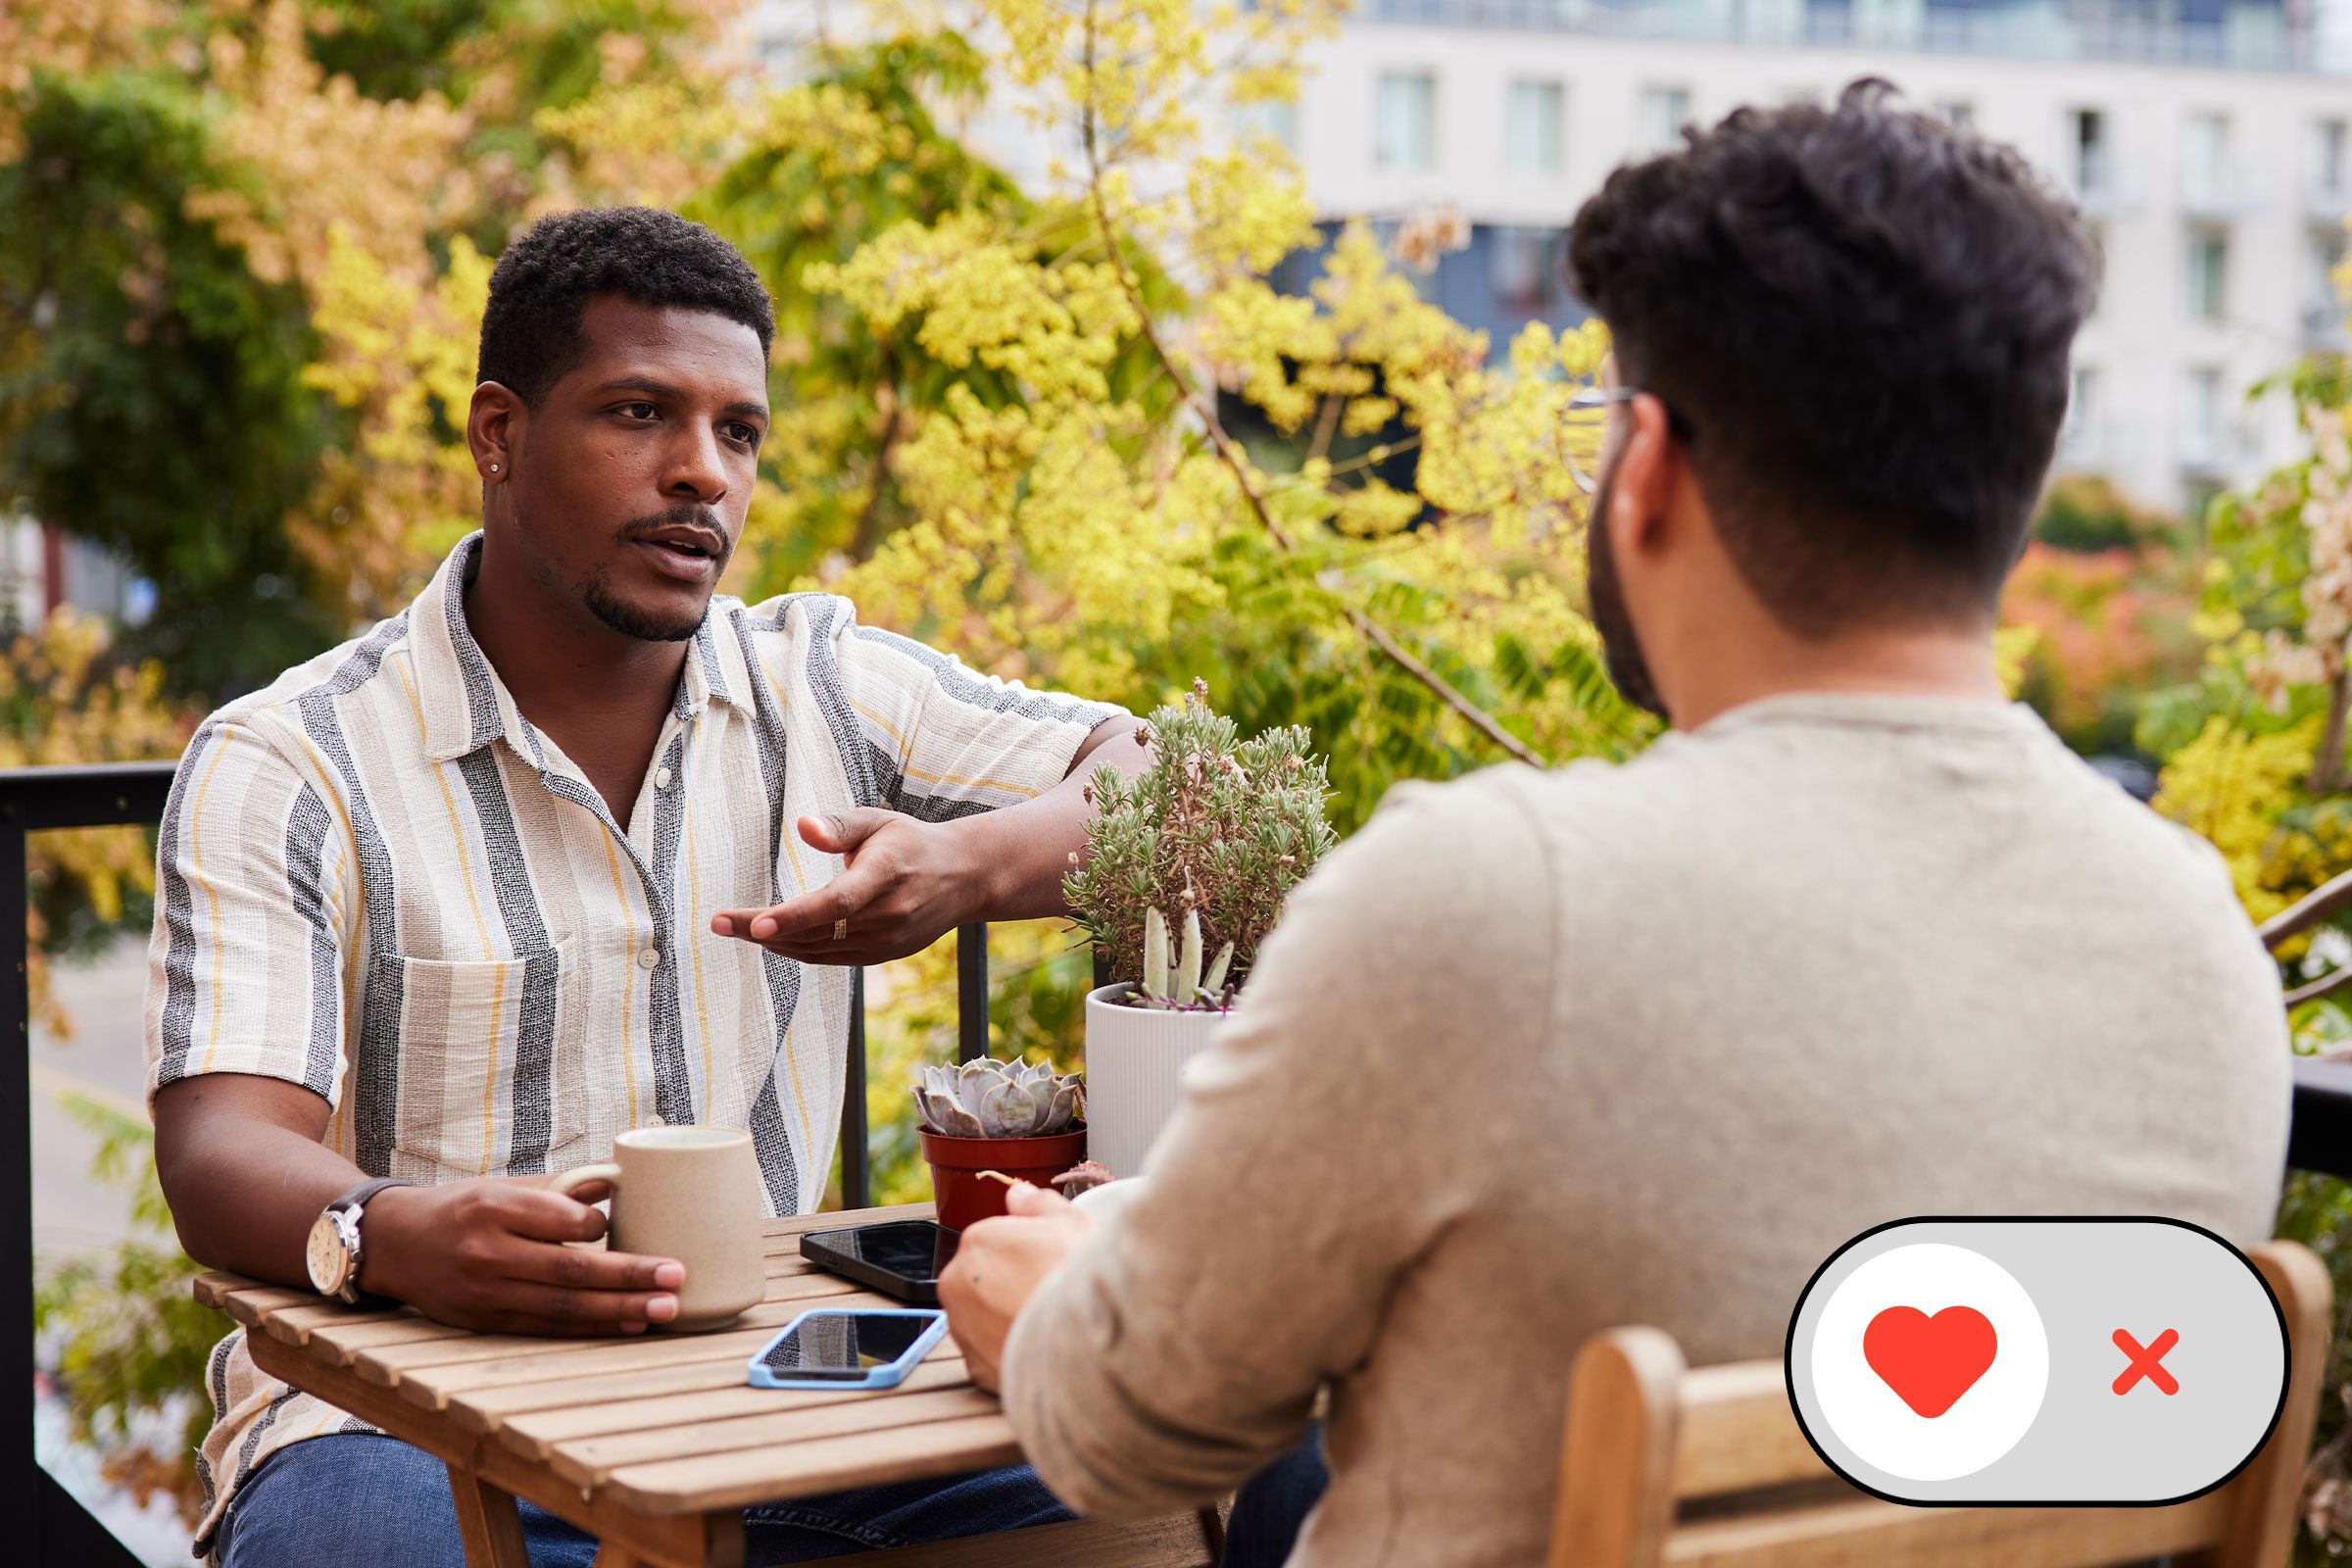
(1928, 1361)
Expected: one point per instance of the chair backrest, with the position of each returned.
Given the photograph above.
(1646, 1436)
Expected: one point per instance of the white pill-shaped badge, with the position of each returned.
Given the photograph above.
(2019, 1360)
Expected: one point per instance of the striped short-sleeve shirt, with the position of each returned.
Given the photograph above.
(378, 879)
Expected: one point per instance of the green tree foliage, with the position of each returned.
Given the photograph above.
(2089, 516)
(132, 1341)
(556, 52)
(1259, 649)
(181, 185)
(151, 387)
(2107, 588)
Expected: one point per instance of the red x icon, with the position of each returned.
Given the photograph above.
(2145, 1359)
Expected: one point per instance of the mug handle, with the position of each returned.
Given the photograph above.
(571, 1179)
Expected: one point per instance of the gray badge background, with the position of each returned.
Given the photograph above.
(2088, 1278)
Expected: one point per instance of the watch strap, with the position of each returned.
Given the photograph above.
(352, 1202)
(359, 1196)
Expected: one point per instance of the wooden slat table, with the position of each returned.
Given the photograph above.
(655, 1442)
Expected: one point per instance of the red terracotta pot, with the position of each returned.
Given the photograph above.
(966, 1198)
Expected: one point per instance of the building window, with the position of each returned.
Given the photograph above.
(2079, 434)
(2208, 275)
(2205, 158)
(2201, 416)
(1276, 120)
(1405, 130)
(1532, 141)
(2324, 304)
(1523, 268)
(1661, 117)
(2088, 156)
(2326, 256)
(2331, 159)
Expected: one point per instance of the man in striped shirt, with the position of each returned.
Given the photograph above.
(568, 847)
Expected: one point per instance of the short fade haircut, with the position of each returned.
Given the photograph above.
(531, 334)
(1862, 313)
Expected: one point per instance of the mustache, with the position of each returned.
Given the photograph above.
(685, 514)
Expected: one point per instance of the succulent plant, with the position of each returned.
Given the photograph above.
(1176, 980)
(990, 1099)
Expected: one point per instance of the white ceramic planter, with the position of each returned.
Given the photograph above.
(1134, 1067)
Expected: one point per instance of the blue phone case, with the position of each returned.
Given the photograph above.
(881, 1376)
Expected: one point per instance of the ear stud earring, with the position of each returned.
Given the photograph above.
(494, 468)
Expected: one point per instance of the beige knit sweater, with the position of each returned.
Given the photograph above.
(1535, 1055)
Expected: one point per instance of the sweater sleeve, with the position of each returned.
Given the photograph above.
(1320, 1149)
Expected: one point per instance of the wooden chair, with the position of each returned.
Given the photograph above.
(1648, 1436)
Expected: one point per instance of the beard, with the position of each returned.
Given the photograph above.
(634, 620)
(637, 620)
(1620, 644)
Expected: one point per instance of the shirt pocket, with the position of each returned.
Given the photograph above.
(491, 1076)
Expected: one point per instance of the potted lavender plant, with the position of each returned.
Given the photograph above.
(1187, 867)
(987, 1124)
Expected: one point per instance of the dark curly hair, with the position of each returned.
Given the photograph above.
(1862, 315)
(532, 329)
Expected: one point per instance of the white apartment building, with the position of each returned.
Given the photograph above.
(2211, 158)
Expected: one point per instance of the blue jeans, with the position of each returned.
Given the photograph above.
(299, 1508)
(1272, 1507)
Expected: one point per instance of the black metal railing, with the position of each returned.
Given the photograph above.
(34, 800)
(971, 1044)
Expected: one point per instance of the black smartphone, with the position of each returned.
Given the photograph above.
(902, 1259)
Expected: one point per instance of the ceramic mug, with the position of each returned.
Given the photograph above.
(691, 1194)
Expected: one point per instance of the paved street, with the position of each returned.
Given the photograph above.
(102, 1062)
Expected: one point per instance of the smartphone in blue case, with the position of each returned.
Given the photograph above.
(838, 1347)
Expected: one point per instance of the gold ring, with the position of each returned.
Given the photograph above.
(841, 929)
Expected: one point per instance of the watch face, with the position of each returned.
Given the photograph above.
(326, 1259)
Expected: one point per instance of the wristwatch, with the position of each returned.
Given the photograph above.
(333, 1255)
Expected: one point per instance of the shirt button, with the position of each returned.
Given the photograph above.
(649, 959)
(661, 779)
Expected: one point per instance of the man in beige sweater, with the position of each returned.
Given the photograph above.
(1537, 1053)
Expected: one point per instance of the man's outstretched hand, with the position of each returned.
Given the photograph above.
(489, 1254)
(904, 884)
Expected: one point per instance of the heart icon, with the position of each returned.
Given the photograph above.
(1928, 1361)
